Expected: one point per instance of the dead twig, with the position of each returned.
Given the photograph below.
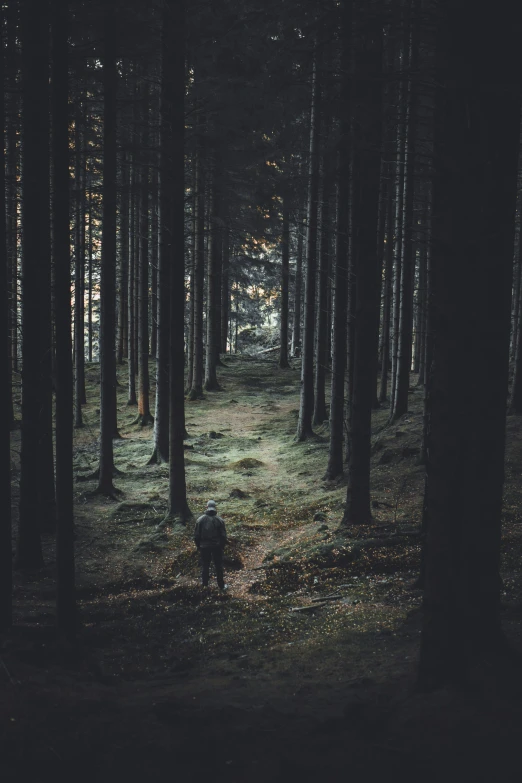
(308, 607)
(332, 597)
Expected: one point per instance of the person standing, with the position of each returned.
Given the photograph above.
(210, 537)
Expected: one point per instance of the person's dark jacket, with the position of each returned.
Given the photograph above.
(210, 531)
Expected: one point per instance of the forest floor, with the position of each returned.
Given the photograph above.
(305, 667)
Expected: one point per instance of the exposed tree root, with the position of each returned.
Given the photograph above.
(195, 394)
(156, 458)
(144, 420)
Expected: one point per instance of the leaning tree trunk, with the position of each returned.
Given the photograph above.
(306, 404)
(174, 91)
(108, 421)
(366, 266)
(285, 271)
(65, 590)
(473, 216)
(35, 162)
(6, 545)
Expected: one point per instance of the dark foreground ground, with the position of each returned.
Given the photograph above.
(266, 682)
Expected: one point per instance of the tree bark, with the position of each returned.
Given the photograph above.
(11, 176)
(368, 73)
(162, 416)
(35, 150)
(65, 590)
(517, 270)
(225, 288)
(192, 263)
(108, 422)
(213, 284)
(154, 239)
(6, 544)
(340, 293)
(131, 286)
(473, 217)
(285, 272)
(320, 412)
(402, 58)
(144, 415)
(123, 308)
(298, 285)
(404, 341)
(196, 390)
(387, 296)
(306, 405)
(174, 75)
(79, 293)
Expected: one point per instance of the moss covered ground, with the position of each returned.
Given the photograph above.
(304, 667)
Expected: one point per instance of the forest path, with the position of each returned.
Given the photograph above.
(276, 694)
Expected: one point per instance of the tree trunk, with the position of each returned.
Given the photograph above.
(387, 296)
(6, 545)
(306, 405)
(144, 414)
(79, 294)
(517, 271)
(65, 590)
(108, 421)
(123, 308)
(320, 412)
(404, 341)
(402, 58)
(35, 119)
(473, 210)
(298, 286)
(368, 70)
(340, 293)
(11, 176)
(173, 77)
(213, 285)
(285, 271)
(420, 339)
(154, 258)
(196, 390)
(225, 288)
(162, 416)
(192, 262)
(131, 285)
(515, 399)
